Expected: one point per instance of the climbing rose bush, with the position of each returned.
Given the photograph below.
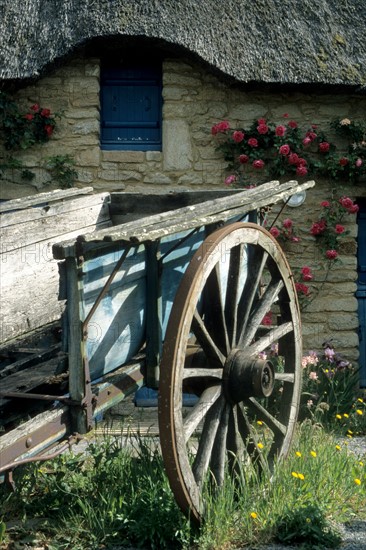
(284, 149)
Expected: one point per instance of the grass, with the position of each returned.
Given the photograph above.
(119, 495)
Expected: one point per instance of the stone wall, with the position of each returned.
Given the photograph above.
(194, 99)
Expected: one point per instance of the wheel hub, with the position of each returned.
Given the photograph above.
(246, 376)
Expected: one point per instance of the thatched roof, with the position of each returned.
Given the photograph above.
(270, 41)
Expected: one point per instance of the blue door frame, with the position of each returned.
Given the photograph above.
(361, 289)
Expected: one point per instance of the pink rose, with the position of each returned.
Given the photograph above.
(243, 159)
(353, 209)
(324, 147)
(358, 163)
(339, 228)
(280, 131)
(331, 254)
(267, 319)
(284, 150)
(230, 179)
(306, 141)
(274, 232)
(238, 136)
(311, 135)
(301, 170)
(253, 142)
(258, 164)
(262, 129)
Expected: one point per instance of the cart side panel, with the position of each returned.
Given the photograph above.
(116, 330)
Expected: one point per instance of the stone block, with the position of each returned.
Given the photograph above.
(123, 156)
(178, 154)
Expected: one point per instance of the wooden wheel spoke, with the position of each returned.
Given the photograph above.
(262, 413)
(272, 336)
(214, 314)
(256, 265)
(259, 311)
(200, 409)
(232, 291)
(285, 377)
(204, 338)
(207, 440)
(202, 373)
(218, 458)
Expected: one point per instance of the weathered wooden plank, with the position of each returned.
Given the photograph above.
(159, 225)
(23, 234)
(44, 211)
(50, 196)
(35, 376)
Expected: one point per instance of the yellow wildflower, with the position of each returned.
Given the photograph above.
(313, 453)
(259, 422)
(301, 476)
(357, 481)
(360, 400)
(338, 416)
(338, 447)
(260, 446)
(253, 515)
(361, 463)
(298, 454)
(346, 415)
(294, 474)
(358, 411)
(350, 432)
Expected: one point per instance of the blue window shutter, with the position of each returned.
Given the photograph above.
(131, 109)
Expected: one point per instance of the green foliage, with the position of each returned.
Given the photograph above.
(275, 150)
(118, 494)
(307, 526)
(10, 163)
(62, 170)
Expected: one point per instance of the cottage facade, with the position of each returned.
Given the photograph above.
(216, 61)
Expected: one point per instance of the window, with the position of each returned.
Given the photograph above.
(131, 108)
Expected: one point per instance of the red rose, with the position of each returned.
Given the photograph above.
(331, 254)
(29, 116)
(287, 223)
(293, 158)
(343, 161)
(274, 232)
(306, 141)
(292, 124)
(267, 319)
(45, 112)
(35, 107)
(325, 204)
(243, 159)
(301, 170)
(324, 147)
(306, 270)
(346, 202)
(238, 136)
(230, 179)
(311, 135)
(339, 228)
(353, 209)
(258, 164)
(262, 129)
(48, 129)
(302, 289)
(253, 142)
(284, 150)
(280, 131)
(261, 121)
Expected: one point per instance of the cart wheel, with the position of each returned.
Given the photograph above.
(219, 347)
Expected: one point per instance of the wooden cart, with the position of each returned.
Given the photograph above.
(170, 292)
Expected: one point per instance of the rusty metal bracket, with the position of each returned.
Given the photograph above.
(41, 397)
(9, 468)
